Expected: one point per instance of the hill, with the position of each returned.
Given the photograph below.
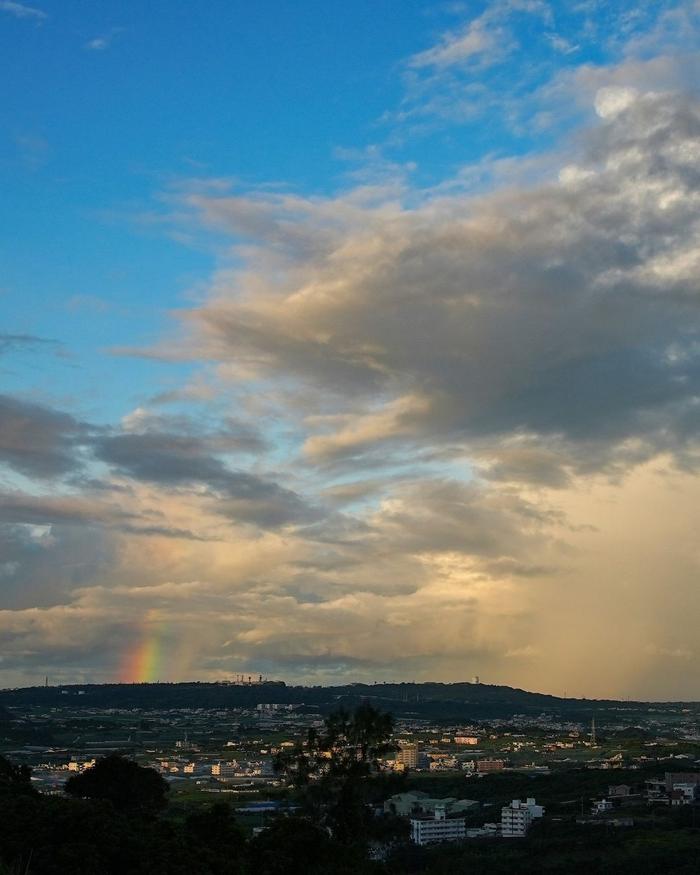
(456, 701)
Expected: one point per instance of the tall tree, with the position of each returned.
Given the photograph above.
(330, 770)
(124, 783)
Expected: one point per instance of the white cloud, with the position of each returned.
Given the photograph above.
(458, 48)
(20, 10)
(104, 41)
(613, 100)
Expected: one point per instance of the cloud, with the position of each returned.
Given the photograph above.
(565, 310)
(457, 48)
(171, 459)
(435, 432)
(488, 37)
(39, 441)
(25, 342)
(104, 41)
(20, 10)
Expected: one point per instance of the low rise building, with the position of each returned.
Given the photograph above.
(601, 806)
(483, 767)
(80, 765)
(684, 794)
(419, 803)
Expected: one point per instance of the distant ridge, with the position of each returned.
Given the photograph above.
(455, 701)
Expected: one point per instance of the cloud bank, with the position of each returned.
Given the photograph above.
(435, 432)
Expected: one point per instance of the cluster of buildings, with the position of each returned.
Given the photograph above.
(675, 788)
(216, 770)
(435, 758)
(440, 821)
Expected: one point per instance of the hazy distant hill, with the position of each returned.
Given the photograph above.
(459, 701)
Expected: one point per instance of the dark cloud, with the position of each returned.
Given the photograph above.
(181, 460)
(45, 562)
(26, 342)
(39, 441)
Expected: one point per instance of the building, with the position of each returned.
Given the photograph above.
(602, 806)
(684, 794)
(675, 788)
(439, 828)
(443, 764)
(517, 817)
(466, 739)
(419, 803)
(76, 766)
(673, 778)
(620, 791)
(407, 755)
(224, 770)
(483, 767)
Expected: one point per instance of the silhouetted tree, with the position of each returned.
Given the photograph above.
(295, 846)
(15, 779)
(330, 770)
(217, 839)
(128, 786)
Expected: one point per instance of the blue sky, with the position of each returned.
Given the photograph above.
(107, 107)
(318, 313)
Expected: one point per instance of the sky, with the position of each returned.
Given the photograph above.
(351, 342)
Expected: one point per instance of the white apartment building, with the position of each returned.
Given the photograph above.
(436, 829)
(517, 817)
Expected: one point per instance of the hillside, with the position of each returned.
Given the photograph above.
(457, 701)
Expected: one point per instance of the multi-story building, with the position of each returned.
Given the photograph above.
(466, 739)
(427, 830)
(517, 817)
(407, 755)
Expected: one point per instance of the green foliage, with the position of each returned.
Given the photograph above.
(49, 835)
(128, 786)
(330, 772)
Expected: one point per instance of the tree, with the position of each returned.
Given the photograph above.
(331, 769)
(15, 779)
(128, 786)
(295, 846)
(216, 838)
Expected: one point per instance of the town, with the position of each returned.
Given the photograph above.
(438, 783)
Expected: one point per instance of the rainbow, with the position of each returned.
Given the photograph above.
(146, 662)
